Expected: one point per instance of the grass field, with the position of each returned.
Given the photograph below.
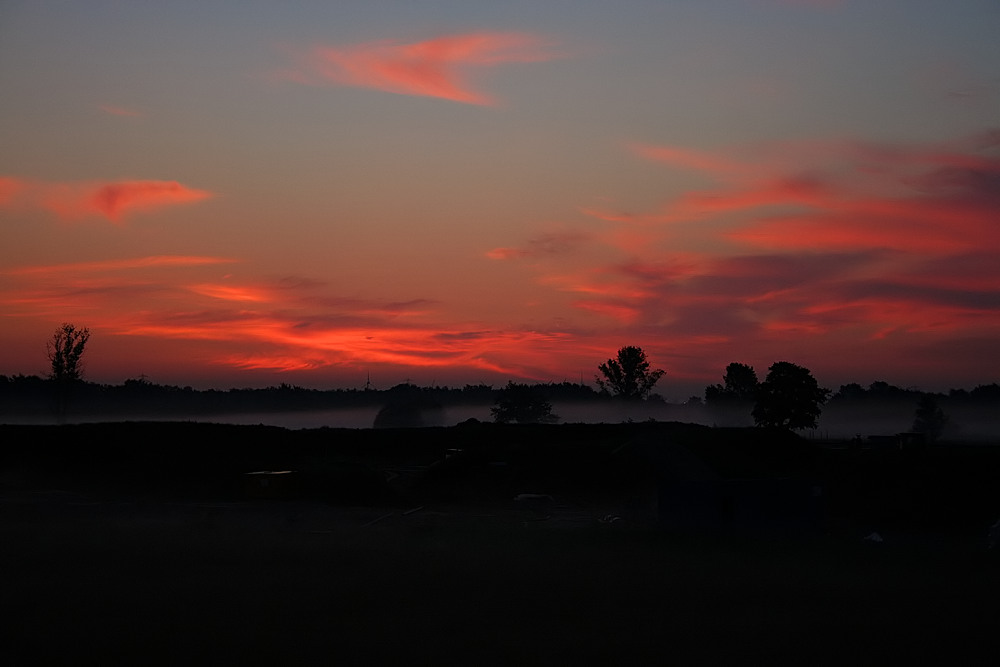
(124, 552)
(289, 583)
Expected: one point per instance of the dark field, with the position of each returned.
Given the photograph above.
(116, 553)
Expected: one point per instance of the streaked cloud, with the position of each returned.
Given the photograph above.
(112, 200)
(549, 244)
(116, 199)
(282, 324)
(804, 245)
(690, 159)
(439, 67)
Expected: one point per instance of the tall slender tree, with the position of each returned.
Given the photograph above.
(65, 352)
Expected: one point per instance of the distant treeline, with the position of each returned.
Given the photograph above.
(31, 394)
(885, 392)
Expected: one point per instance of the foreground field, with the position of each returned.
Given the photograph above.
(101, 569)
(301, 583)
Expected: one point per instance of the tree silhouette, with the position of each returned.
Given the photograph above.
(409, 406)
(789, 398)
(741, 381)
(929, 418)
(65, 352)
(523, 404)
(741, 385)
(629, 375)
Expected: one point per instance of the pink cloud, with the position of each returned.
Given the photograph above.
(112, 200)
(432, 68)
(116, 199)
(929, 225)
(824, 242)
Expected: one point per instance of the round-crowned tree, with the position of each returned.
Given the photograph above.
(740, 386)
(789, 398)
(628, 375)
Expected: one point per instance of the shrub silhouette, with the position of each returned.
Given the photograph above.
(523, 404)
(408, 407)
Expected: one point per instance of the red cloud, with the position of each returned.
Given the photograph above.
(115, 199)
(506, 253)
(866, 242)
(931, 226)
(9, 189)
(111, 200)
(432, 68)
(271, 342)
(234, 293)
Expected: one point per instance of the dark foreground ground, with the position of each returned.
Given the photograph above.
(129, 567)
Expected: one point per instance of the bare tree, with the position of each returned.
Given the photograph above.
(65, 352)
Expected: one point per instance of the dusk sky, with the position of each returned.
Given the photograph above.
(244, 194)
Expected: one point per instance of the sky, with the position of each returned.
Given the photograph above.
(239, 194)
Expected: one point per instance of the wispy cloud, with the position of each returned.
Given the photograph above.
(543, 245)
(690, 159)
(112, 200)
(438, 67)
(116, 199)
(280, 324)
